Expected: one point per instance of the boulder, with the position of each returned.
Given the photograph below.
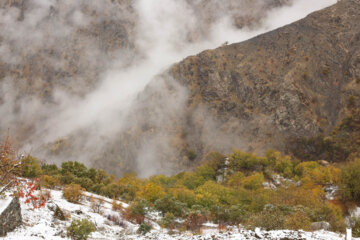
(324, 163)
(315, 226)
(10, 218)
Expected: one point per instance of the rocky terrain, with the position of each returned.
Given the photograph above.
(293, 82)
(254, 95)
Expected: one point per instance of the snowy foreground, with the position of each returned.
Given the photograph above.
(40, 224)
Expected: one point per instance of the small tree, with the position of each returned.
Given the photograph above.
(349, 178)
(96, 204)
(136, 211)
(194, 220)
(80, 229)
(144, 228)
(116, 206)
(10, 165)
(72, 193)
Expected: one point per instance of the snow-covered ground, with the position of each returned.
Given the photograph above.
(40, 224)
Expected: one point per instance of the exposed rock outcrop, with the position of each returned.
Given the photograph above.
(291, 82)
(316, 226)
(10, 218)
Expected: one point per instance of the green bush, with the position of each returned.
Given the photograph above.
(50, 181)
(80, 229)
(194, 220)
(229, 215)
(191, 154)
(253, 182)
(355, 224)
(168, 204)
(349, 179)
(237, 214)
(235, 179)
(269, 219)
(136, 211)
(49, 169)
(31, 167)
(144, 228)
(240, 161)
(191, 180)
(76, 168)
(168, 221)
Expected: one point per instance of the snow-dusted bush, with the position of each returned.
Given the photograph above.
(73, 193)
(136, 211)
(144, 228)
(80, 229)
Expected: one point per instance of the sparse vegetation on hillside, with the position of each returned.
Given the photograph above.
(342, 144)
(241, 188)
(226, 191)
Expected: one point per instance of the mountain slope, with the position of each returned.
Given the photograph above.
(44, 224)
(292, 82)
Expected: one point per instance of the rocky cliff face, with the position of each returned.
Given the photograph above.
(292, 82)
(10, 218)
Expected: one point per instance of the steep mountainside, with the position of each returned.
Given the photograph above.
(293, 82)
(55, 54)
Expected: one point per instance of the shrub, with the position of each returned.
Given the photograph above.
(49, 169)
(59, 214)
(206, 171)
(72, 193)
(31, 167)
(305, 168)
(191, 180)
(307, 195)
(237, 214)
(325, 175)
(212, 193)
(80, 229)
(144, 228)
(253, 182)
(151, 192)
(194, 220)
(297, 220)
(284, 166)
(112, 190)
(355, 224)
(117, 219)
(163, 180)
(96, 204)
(168, 221)
(184, 195)
(75, 168)
(236, 179)
(131, 185)
(168, 204)
(325, 70)
(50, 181)
(246, 161)
(191, 154)
(9, 165)
(84, 182)
(136, 211)
(220, 214)
(116, 206)
(331, 213)
(269, 219)
(349, 178)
